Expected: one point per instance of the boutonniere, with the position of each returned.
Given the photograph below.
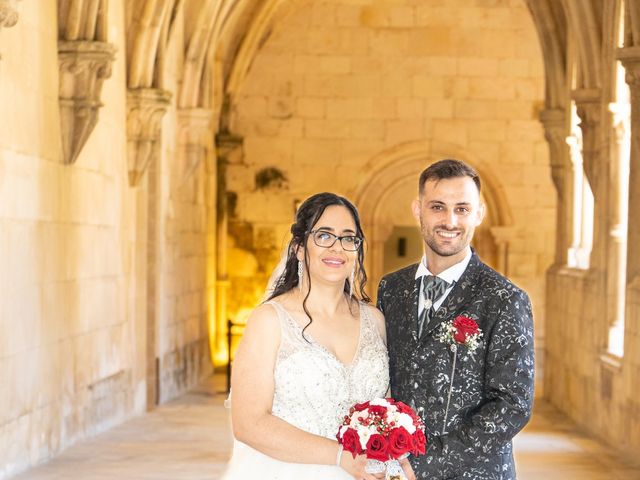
(459, 331)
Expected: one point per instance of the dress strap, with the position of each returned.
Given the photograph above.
(288, 327)
(370, 325)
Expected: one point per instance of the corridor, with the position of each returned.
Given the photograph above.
(188, 439)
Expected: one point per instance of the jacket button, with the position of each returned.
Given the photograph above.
(415, 385)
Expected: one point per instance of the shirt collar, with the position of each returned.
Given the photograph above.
(451, 274)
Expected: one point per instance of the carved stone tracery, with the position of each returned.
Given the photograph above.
(84, 65)
(145, 109)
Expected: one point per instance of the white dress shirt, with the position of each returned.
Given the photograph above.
(450, 275)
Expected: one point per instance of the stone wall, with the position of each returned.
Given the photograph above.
(74, 304)
(597, 390)
(339, 87)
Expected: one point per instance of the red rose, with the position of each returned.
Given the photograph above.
(419, 442)
(404, 408)
(358, 407)
(351, 442)
(378, 448)
(400, 442)
(465, 327)
(379, 410)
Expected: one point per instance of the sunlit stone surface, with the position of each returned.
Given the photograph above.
(189, 438)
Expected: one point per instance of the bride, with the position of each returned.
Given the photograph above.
(310, 352)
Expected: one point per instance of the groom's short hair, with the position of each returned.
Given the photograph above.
(448, 168)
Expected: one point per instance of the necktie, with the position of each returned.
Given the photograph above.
(432, 289)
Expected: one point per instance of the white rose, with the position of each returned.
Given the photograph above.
(404, 420)
(380, 401)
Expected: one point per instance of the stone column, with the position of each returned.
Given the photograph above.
(502, 237)
(588, 104)
(618, 211)
(555, 125)
(228, 145)
(84, 65)
(630, 58)
(145, 109)
(380, 233)
(577, 254)
(194, 128)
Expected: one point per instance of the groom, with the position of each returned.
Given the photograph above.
(469, 425)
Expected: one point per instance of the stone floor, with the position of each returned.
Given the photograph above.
(188, 439)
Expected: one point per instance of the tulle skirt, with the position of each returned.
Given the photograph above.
(247, 463)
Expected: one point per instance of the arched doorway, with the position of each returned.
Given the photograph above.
(384, 198)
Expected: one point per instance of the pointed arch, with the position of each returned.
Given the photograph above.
(551, 24)
(585, 18)
(149, 22)
(403, 163)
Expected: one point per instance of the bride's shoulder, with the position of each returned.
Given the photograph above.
(263, 317)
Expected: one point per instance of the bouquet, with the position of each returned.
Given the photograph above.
(385, 431)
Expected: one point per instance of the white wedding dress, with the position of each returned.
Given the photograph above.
(313, 391)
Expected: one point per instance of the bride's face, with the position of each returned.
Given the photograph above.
(332, 263)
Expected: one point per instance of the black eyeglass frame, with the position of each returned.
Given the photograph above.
(356, 239)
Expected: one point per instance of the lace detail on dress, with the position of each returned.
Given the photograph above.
(313, 389)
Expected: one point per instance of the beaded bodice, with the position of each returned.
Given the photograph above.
(313, 389)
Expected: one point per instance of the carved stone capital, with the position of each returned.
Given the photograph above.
(502, 234)
(630, 58)
(554, 122)
(8, 13)
(228, 143)
(83, 68)
(588, 106)
(194, 129)
(145, 109)
(589, 110)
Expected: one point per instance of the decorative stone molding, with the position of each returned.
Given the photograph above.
(554, 122)
(194, 126)
(83, 68)
(228, 145)
(145, 109)
(589, 110)
(8, 13)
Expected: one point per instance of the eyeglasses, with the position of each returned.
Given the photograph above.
(324, 239)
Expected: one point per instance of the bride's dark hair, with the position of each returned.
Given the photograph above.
(307, 216)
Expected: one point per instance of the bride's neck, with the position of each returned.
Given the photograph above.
(324, 299)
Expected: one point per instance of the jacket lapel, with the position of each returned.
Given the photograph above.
(463, 291)
(412, 314)
(409, 289)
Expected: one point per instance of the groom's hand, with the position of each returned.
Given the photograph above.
(355, 467)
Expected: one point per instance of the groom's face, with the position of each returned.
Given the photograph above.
(448, 210)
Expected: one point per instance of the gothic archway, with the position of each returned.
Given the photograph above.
(397, 169)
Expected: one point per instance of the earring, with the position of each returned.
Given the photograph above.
(300, 273)
(351, 279)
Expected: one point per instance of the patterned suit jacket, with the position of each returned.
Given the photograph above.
(492, 393)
